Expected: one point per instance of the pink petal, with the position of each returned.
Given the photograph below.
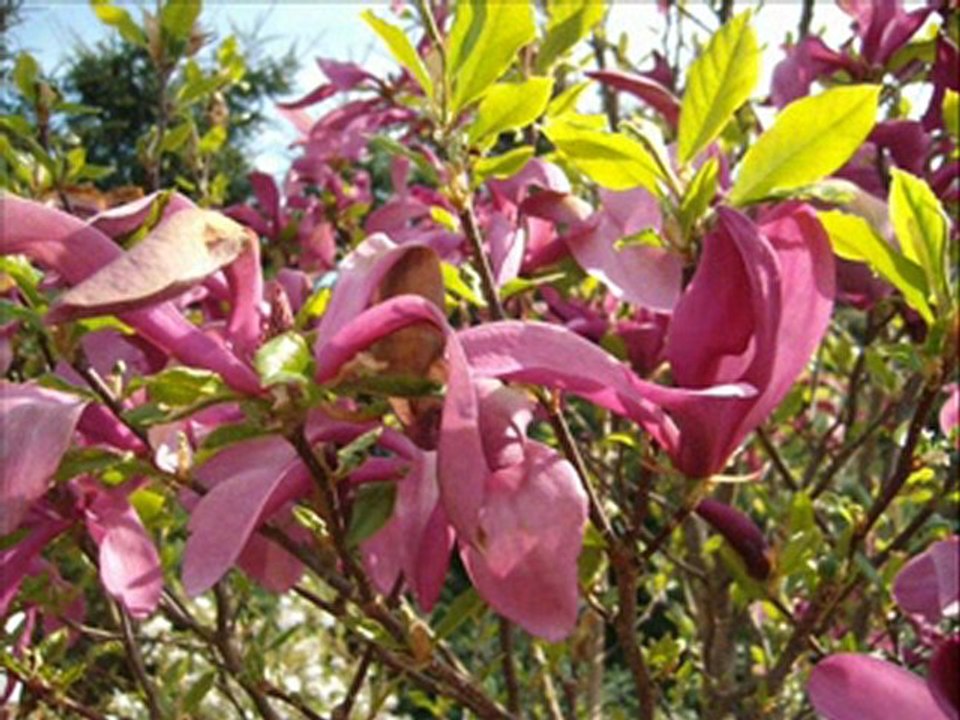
(417, 539)
(126, 218)
(928, 585)
(270, 565)
(950, 412)
(180, 252)
(16, 560)
(943, 674)
(250, 481)
(63, 243)
(129, 564)
(532, 521)
(849, 686)
(643, 88)
(36, 427)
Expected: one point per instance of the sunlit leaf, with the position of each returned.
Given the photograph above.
(719, 81)
(811, 138)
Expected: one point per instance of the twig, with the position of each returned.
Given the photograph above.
(343, 710)
(224, 640)
(777, 460)
(806, 19)
(509, 670)
(51, 696)
(137, 664)
(489, 286)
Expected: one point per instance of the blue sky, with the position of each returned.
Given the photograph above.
(332, 29)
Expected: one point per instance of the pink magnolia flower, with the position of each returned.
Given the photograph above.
(743, 330)
(517, 508)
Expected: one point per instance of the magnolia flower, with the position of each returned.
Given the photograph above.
(745, 327)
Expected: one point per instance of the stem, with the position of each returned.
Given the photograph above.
(903, 467)
(137, 665)
(806, 19)
(509, 670)
(469, 222)
(342, 711)
(231, 656)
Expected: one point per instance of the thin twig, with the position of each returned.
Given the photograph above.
(509, 669)
(137, 665)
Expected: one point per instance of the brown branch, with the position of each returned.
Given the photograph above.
(52, 696)
(137, 665)
(223, 637)
(343, 710)
(487, 283)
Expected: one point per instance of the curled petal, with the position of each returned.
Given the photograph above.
(129, 564)
(74, 250)
(849, 686)
(250, 481)
(36, 426)
(928, 585)
(180, 252)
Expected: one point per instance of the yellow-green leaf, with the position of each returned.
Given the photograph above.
(921, 227)
(853, 238)
(951, 113)
(502, 166)
(811, 138)
(484, 41)
(570, 21)
(507, 106)
(699, 193)
(402, 50)
(612, 160)
(719, 81)
(178, 17)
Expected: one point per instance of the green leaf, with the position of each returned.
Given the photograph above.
(570, 21)
(372, 509)
(507, 106)
(110, 14)
(921, 228)
(699, 193)
(853, 238)
(567, 100)
(811, 138)
(182, 386)
(175, 137)
(198, 691)
(284, 359)
(484, 41)
(352, 455)
(719, 81)
(178, 17)
(213, 140)
(951, 113)
(612, 160)
(401, 49)
(454, 283)
(465, 606)
(521, 285)
(25, 74)
(502, 166)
